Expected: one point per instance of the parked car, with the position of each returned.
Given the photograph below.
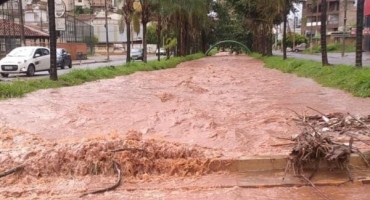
(162, 51)
(300, 47)
(63, 58)
(29, 59)
(137, 54)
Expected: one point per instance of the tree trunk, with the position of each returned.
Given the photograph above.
(269, 43)
(204, 41)
(159, 30)
(144, 41)
(284, 37)
(324, 53)
(52, 41)
(359, 29)
(128, 45)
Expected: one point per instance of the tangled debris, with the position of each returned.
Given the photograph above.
(316, 142)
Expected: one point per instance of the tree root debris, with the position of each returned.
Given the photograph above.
(11, 171)
(117, 184)
(316, 143)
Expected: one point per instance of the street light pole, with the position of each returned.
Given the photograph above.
(344, 28)
(106, 29)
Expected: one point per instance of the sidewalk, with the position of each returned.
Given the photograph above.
(98, 59)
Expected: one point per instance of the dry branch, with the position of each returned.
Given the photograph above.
(118, 182)
(314, 186)
(316, 141)
(11, 171)
(129, 149)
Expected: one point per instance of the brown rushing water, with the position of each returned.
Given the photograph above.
(227, 104)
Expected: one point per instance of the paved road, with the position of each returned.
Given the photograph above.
(92, 63)
(334, 58)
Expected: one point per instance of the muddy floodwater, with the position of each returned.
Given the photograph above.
(220, 106)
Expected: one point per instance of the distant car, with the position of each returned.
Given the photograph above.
(28, 59)
(162, 51)
(137, 54)
(63, 58)
(300, 47)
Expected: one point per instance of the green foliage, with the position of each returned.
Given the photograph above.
(170, 43)
(152, 36)
(229, 27)
(91, 40)
(297, 37)
(333, 47)
(79, 10)
(344, 77)
(79, 76)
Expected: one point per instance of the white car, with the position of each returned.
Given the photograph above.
(137, 54)
(29, 59)
(162, 51)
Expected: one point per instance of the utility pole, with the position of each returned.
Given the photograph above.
(106, 29)
(344, 28)
(21, 22)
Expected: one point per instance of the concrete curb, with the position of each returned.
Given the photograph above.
(268, 171)
(275, 162)
(89, 62)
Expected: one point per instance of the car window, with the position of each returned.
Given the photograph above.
(38, 51)
(45, 52)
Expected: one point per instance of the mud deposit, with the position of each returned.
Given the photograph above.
(177, 123)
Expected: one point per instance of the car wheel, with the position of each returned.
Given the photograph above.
(70, 64)
(296, 50)
(62, 65)
(31, 70)
(4, 75)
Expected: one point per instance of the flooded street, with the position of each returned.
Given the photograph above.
(221, 106)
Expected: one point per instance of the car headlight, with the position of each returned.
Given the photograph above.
(21, 62)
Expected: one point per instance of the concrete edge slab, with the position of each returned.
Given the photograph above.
(273, 162)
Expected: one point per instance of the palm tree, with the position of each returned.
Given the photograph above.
(359, 29)
(128, 11)
(324, 52)
(148, 9)
(286, 10)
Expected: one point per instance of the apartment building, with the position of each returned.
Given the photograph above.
(311, 16)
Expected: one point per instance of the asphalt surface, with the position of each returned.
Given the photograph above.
(94, 62)
(334, 58)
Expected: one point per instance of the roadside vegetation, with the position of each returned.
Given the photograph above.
(332, 48)
(19, 88)
(344, 77)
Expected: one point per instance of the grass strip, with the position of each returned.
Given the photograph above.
(343, 77)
